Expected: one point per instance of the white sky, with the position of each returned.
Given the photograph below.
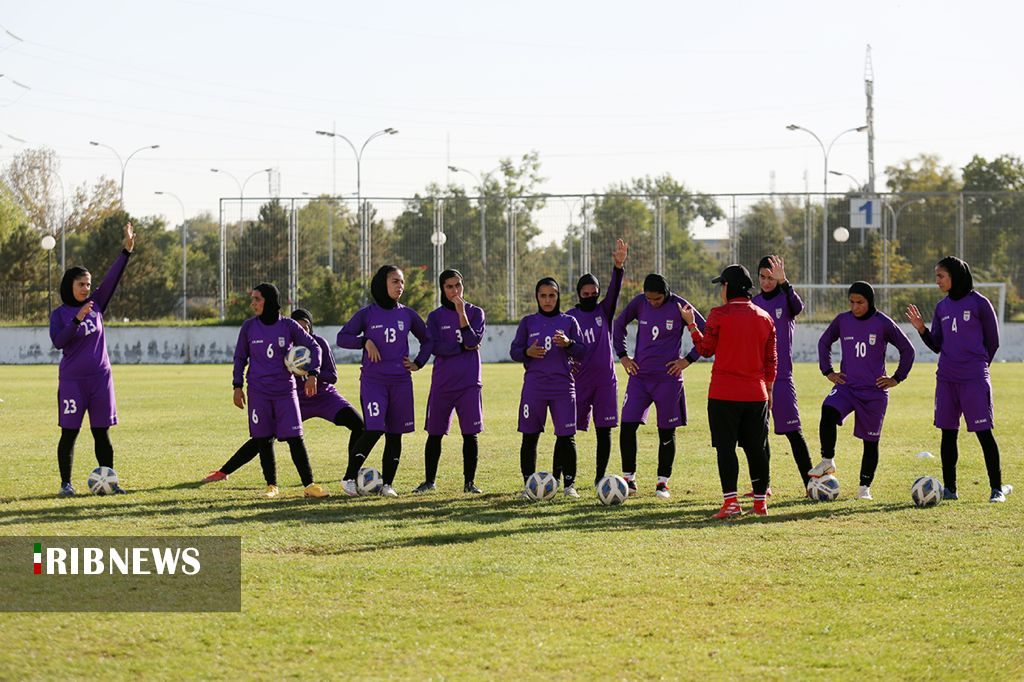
(604, 91)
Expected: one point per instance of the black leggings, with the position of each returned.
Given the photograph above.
(432, 455)
(351, 420)
(564, 458)
(801, 455)
(364, 445)
(264, 447)
(666, 449)
(828, 432)
(604, 451)
(950, 454)
(66, 450)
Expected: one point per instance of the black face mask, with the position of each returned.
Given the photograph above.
(379, 287)
(551, 282)
(67, 286)
(589, 303)
(864, 289)
(959, 275)
(444, 277)
(271, 302)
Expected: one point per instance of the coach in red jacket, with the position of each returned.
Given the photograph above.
(741, 336)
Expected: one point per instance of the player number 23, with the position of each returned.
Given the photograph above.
(70, 407)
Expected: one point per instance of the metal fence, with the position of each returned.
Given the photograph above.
(321, 252)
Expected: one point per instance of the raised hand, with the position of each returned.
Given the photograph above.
(619, 254)
(914, 315)
(778, 267)
(129, 237)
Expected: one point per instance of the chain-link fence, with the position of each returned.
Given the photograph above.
(321, 252)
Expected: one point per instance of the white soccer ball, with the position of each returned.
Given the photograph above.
(101, 481)
(824, 489)
(926, 491)
(612, 490)
(840, 234)
(369, 481)
(297, 360)
(541, 486)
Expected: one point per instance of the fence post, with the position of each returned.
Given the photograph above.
(293, 255)
(510, 261)
(960, 213)
(223, 262)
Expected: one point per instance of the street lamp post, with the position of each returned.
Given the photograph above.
(888, 237)
(124, 164)
(482, 211)
(48, 242)
(241, 193)
(364, 236)
(824, 217)
(184, 253)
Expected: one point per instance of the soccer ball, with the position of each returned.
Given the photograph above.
(824, 489)
(612, 490)
(541, 486)
(101, 481)
(297, 360)
(926, 491)
(369, 481)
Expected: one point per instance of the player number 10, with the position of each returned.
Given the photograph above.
(860, 349)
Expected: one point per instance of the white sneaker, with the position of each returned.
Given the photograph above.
(864, 493)
(388, 491)
(570, 491)
(349, 488)
(662, 491)
(824, 468)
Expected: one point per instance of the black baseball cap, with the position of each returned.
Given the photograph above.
(736, 275)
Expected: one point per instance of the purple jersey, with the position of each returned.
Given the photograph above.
(965, 334)
(389, 330)
(553, 372)
(597, 368)
(783, 307)
(659, 335)
(83, 343)
(863, 345)
(263, 347)
(456, 349)
(328, 368)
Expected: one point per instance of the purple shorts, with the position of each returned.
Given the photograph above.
(972, 400)
(468, 404)
(533, 409)
(667, 396)
(274, 416)
(785, 412)
(387, 407)
(325, 404)
(94, 395)
(868, 407)
(599, 402)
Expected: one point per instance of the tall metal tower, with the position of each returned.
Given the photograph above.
(869, 89)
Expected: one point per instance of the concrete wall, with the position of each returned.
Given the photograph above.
(211, 345)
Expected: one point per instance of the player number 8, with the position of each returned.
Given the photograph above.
(526, 411)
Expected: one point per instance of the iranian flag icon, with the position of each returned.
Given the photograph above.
(38, 559)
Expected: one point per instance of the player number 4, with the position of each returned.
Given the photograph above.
(954, 324)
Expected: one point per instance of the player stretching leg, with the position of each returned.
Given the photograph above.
(781, 302)
(382, 329)
(655, 375)
(327, 404)
(596, 384)
(547, 342)
(965, 334)
(273, 409)
(456, 329)
(861, 385)
(85, 382)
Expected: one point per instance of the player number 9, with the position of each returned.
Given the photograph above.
(654, 332)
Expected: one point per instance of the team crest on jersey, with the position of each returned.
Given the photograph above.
(599, 322)
(668, 325)
(778, 313)
(401, 325)
(280, 341)
(871, 339)
(967, 316)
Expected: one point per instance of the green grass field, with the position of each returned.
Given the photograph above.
(449, 586)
